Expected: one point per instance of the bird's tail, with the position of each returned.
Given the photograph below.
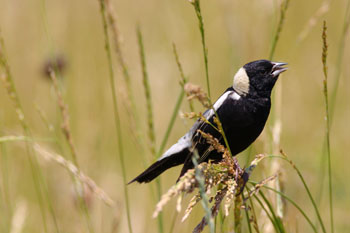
(160, 166)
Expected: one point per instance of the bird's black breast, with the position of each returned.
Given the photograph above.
(243, 121)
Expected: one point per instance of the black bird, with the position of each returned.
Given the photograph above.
(242, 109)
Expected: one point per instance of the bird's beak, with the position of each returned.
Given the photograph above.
(278, 68)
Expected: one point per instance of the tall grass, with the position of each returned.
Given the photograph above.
(325, 92)
(39, 182)
(66, 129)
(333, 96)
(257, 202)
(116, 111)
(150, 120)
(204, 197)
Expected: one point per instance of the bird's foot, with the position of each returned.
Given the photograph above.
(242, 182)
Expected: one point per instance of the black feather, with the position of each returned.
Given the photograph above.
(160, 166)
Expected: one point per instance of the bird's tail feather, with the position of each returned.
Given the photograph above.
(160, 166)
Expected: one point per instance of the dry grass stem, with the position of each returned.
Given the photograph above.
(185, 185)
(214, 210)
(13, 138)
(75, 171)
(259, 185)
(194, 200)
(184, 79)
(129, 102)
(190, 115)
(43, 117)
(196, 92)
(65, 117)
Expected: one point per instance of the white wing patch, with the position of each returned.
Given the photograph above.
(221, 100)
(230, 94)
(235, 96)
(183, 143)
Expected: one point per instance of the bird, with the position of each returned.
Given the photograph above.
(243, 110)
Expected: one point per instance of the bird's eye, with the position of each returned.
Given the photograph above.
(264, 72)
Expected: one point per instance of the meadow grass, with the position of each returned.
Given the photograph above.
(263, 205)
(325, 92)
(116, 111)
(38, 179)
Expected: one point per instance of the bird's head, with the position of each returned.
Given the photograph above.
(257, 78)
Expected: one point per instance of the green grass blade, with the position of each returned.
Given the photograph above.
(284, 7)
(325, 92)
(246, 210)
(116, 112)
(292, 202)
(285, 158)
(266, 211)
(150, 119)
(197, 8)
(275, 218)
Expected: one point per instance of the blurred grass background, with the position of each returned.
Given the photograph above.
(236, 31)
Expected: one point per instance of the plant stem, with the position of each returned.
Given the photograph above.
(284, 7)
(285, 158)
(39, 182)
(292, 202)
(204, 197)
(150, 119)
(116, 112)
(246, 210)
(238, 214)
(325, 92)
(184, 80)
(197, 7)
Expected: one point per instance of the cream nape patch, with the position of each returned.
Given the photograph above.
(241, 82)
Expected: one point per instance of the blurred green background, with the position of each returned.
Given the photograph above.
(236, 31)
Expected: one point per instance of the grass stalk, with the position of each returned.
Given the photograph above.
(285, 158)
(325, 92)
(5, 185)
(147, 89)
(275, 218)
(333, 97)
(204, 197)
(65, 126)
(246, 210)
(292, 202)
(39, 182)
(197, 8)
(284, 7)
(150, 119)
(184, 79)
(116, 112)
(196, 5)
(238, 214)
(276, 123)
(266, 212)
(255, 219)
(131, 105)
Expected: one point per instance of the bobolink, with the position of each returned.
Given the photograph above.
(242, 109)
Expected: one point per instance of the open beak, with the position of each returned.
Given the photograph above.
(278, 68)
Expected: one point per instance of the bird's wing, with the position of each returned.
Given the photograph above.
(184, 143)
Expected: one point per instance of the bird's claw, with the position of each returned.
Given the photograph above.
(242, 182)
